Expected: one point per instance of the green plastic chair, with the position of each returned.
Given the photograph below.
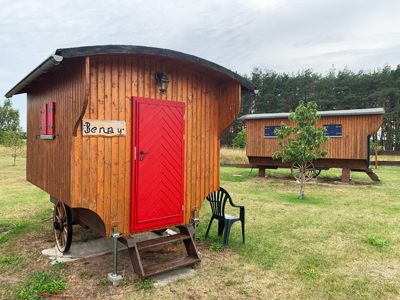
(217, 201)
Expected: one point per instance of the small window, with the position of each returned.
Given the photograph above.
(333, 130)
(269, 131)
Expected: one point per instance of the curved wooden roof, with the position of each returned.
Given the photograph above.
(202, 66)
(349, 112)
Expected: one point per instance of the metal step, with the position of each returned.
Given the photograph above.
(170, 265)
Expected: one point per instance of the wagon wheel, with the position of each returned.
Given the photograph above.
(309, 174)
(62, 226)
(317, 172)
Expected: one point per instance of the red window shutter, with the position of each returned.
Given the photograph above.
(44, 119)
(51, 109)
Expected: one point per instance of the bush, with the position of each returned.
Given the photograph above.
(240, 140)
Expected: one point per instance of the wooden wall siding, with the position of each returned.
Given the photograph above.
(353, 144)
(49, 161)
(229, 111)
(102, 166)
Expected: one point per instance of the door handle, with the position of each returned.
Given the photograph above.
(142, 152)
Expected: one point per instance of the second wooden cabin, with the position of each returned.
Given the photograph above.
(348, 146)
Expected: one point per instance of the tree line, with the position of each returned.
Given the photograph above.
(337, 90)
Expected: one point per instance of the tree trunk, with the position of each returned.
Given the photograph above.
(302, 174)
(15, 155)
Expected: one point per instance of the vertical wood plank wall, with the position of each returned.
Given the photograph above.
(49, 161)
(102, 166)
(352, 144)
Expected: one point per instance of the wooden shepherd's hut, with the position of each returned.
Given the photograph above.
(348, 146)
(127, 137)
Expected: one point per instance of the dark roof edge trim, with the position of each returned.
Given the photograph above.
(350, 112)
(59, 54)
(44, 67)
(128, 49)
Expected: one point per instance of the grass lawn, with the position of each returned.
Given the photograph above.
(339, 242)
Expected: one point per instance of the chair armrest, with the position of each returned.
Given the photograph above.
(241, 212)
(232, 204)
(240, 206)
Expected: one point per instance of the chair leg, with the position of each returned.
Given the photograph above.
(209, 225)
(243, 230)
(228, 226)
(221, 225)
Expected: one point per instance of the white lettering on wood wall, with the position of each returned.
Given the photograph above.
(103, 128)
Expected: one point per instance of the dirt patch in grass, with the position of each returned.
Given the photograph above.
(221, 274)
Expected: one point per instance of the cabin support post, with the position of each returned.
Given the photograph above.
(115, 251)
(261, 171)
(345, 175)
(114, 277)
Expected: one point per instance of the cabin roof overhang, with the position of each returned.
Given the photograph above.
(350, 112)
(199, 65)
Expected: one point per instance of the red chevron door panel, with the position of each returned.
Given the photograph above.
(158, 195)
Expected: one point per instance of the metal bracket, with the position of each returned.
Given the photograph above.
(48, 136)
(194, 220)
(115, 235)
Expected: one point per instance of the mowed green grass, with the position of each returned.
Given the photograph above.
(20, 201)
(339, 242)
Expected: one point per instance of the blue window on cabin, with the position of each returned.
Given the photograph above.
(333, 130)
(269, 131)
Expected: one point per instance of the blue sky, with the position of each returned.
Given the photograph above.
(284, 35)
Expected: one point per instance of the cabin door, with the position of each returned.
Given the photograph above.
(158, 184)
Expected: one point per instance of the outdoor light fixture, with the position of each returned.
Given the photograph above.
(162, 81)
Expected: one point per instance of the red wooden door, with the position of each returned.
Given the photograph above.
(158, 196)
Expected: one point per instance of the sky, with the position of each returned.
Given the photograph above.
(280, 35)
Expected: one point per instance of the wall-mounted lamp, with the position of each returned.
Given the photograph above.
(162, 81)
(256, 91)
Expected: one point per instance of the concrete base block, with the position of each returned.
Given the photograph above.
(116, 280)
(173, 275)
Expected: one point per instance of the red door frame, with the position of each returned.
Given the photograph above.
(135, 159)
